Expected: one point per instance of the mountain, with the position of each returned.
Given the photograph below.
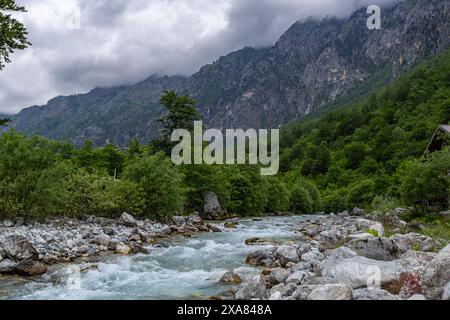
(313, 64)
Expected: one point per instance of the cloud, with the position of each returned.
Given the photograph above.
(81, 44)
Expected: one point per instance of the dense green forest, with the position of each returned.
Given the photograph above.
(365, 154)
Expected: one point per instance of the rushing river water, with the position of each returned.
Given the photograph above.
(183, 269)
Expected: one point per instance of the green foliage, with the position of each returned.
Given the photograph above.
(277, 196)
(13, 34)
(161, 183)
(373, 232)
(356, 153)
(422, 182)
(360, 193)
(181, 114)
(301, 200)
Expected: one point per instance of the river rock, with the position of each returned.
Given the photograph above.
(331, 292)
(287, 254)
(375, 248)
(8, 223)
(137, 248)
(446, 294)
(344, 266)
(298, 277)
(373, 294)
(101, 240)
(211, 208)
(437, 275)
(410, 241)
(30, 268)
(276, 296)
(277, 275)
(19, 248)
(329, 239)
(231, 224)
(127, 220)
(357, 212)
(418, 297)
(230, 278)
(367, 225)
(260, 258)
(194, 218)
(423, 257)
(123, 249)
(254, 289)
(7, 266)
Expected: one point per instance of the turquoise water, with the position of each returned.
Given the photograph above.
(183, 269)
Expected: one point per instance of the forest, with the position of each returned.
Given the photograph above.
(366, 153)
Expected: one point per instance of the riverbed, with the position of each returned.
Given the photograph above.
(188, 268)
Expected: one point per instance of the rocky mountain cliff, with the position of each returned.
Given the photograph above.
(313, 64)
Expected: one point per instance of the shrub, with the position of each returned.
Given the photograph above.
(360, 194)
(301, 201)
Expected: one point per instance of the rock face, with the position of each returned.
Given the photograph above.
(211, 208)
(437, 275)
(19, 248)
(312, 64)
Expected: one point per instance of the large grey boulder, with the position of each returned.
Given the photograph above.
(254, 289)
(411, 240)
(127, 219)
(437, 275)
(344, 266)
(366, 225)
(373, 294)
(287, 254)
(331, 292)
(375, 248)
(19, 248)
(212, 209)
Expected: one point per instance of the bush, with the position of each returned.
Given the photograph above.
(334, 200)
(360, 194)
(422, 182)
(301, 200)
(161, 183)
(278, 196)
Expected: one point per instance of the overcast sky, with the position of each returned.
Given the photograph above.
(81, 44)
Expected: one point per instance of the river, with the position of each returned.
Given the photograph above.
(187, 268)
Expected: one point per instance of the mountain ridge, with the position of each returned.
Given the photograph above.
(311, 65)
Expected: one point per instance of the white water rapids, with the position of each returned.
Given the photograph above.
(182, 269)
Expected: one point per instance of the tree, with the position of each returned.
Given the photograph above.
(13, 34)
(301, 201)
(161, 184)
(181, 114)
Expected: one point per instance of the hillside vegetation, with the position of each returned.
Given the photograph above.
(365, 154)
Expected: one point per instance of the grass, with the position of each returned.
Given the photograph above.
(373, 232)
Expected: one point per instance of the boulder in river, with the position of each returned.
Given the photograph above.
(123, 249)
(259, 258)
(230, 278)
(19, 248)
(30, 268)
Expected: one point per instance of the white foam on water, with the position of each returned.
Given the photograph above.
(187, 269)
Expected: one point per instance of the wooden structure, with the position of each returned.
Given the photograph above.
(440, 139)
